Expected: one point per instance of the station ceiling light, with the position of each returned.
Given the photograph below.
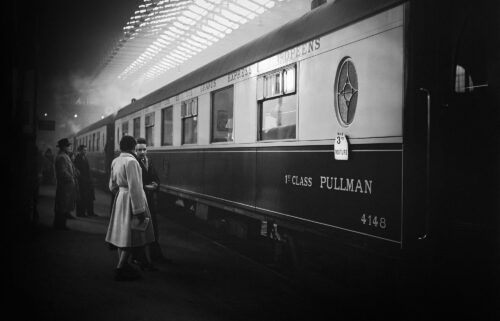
(164, 34)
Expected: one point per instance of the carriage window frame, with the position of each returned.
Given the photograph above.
(171, 132)
(149, 127)
(189, 110)
(271, 87)
(125, 128)
(230, 121)
(136, 127)
(467, 77)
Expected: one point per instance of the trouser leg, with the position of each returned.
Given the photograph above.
(60, 219)
(80, 208)
(90, 206)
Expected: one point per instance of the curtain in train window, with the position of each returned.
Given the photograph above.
(149, 124)
(167, 126)
(189, 116)
(125, 128)
(137, 127)
(222, 115)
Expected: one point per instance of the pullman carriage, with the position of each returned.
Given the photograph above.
(349, 122)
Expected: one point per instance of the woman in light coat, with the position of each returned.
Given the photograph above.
(130, 213)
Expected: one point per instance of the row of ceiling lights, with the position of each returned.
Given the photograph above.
(182, 29)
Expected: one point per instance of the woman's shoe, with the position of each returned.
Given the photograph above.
(145, 266)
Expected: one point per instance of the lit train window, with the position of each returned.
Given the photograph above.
(278, 104)
(471, 71)
(125, 128)
(277, 83)
(167, 126)
(137, 127)
(189, 116)
(222, 115)
(346, 92)
(149, 128)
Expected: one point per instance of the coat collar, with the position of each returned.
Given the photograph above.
(125, 154)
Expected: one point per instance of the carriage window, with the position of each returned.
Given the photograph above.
(93, 142)
(189, 116)
(222, 115)
(125, 128)
(278, 106)
(471, 66)
(167, 126)
(117, 134)
(149, 126)
(137, 127)
(98, 138)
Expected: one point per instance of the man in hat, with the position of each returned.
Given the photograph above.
(85, 203)
(66, 184)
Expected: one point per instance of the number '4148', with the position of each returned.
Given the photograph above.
(378, 222)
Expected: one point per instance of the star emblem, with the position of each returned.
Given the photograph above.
(347, 91)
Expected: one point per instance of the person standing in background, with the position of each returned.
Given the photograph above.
(85, 203)
(66, 185)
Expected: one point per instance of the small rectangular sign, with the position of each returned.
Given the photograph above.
(44, 124)
(341, 147)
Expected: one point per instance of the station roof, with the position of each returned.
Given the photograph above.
(313, 24)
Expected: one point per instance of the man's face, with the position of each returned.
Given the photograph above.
(141, 150)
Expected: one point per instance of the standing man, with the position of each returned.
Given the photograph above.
(85, 203)
(151, 183)
(66, 184)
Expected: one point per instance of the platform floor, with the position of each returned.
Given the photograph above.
(68, 275)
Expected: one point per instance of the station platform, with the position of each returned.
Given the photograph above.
(68, 275)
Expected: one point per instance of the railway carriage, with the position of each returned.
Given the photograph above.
(99, 139)
(358, 122)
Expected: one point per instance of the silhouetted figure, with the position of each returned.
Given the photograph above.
(66, 184)
(48, 167)
(85, 201)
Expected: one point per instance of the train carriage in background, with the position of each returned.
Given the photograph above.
(352, 122)
(99, 139)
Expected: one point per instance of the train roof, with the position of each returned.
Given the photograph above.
(102, 122)
(317, 22)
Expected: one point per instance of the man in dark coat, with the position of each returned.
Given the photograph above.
(151, 183)
(85, 201)
(66, 184)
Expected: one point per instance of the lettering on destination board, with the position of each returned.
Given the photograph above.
(353, 185)
(343, 184)
(208, 86)
(299, 51)
(238, 74)
(298, 180)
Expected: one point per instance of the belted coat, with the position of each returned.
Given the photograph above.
(66, 183)
(130, 200)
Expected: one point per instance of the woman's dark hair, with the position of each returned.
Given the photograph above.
(127, 143)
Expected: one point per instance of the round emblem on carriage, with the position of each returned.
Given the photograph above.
(346, 92)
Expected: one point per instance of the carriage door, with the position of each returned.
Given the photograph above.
(465, 116)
